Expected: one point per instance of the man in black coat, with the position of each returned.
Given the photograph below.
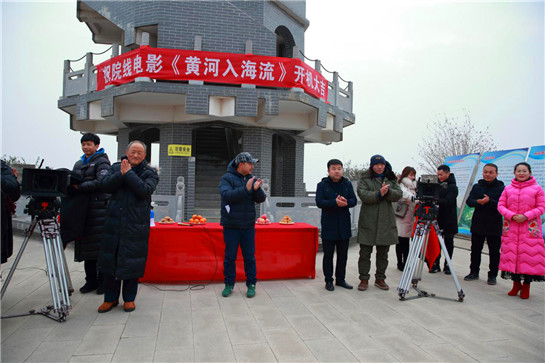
(334, 195)
(447, 216)
(239, 192)
(485, 223)
(83, 210)
(11, 192)
(126, 229)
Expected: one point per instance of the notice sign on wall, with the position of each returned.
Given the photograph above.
(179, 150)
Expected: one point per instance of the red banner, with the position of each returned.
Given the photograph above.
(185, 65)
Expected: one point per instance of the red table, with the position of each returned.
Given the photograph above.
(195, 253)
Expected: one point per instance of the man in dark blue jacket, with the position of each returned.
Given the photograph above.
(239, 192)
(334, 195)
(486, 222)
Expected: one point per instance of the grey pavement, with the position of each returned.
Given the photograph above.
(287, 321)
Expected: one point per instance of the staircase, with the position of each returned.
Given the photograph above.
(212, 157)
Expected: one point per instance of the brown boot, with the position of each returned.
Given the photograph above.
(525, 292)
(129, 306)
(381, 285)
(364, 284)
(107, 306)
(516, 288)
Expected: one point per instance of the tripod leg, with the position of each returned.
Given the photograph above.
(61, 271)
(461, 294)
(28, 234)
(422, 256)
(51, 270)
(66, 271)
(408, 272)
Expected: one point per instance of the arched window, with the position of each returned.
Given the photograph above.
(284, 42)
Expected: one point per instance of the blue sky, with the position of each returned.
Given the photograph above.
(409, 61)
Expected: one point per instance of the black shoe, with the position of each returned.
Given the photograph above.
(344, 284)
(471, 277)
(87, 288)
(329, 286)
(491, 281)
(435, 269)
(446, 269)
(400, 266)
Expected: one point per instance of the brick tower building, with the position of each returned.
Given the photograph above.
(195, 73)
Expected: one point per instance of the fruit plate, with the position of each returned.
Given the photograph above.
(266, 223)
(166, 222)
(286, 222)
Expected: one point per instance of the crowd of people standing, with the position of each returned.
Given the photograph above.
(107, 208)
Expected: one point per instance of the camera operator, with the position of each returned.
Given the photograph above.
(447, 216)
(11, 192)
(486, 222)
(83, 210)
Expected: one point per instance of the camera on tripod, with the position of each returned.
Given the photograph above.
(427, 193)
(44, 186)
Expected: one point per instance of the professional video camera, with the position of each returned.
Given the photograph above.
(43, 186)
(427, 193)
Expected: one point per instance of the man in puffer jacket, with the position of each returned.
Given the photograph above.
(83, 210)
(239, 192)
(126, 229)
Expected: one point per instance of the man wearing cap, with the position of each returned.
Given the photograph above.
(377, 189)
(239, 192)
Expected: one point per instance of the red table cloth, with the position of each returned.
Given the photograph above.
(195, 253)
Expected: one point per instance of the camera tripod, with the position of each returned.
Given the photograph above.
(412, 273)
(44, 214)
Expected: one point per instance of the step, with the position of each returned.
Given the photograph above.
(207, 183)
(207, 196)
(208, 204)
(200, 190)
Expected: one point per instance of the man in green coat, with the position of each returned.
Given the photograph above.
(377, 189)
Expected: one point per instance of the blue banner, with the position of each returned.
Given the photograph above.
(536, 159)
(506, 161)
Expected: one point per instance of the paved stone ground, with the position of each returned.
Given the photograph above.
(288, 321)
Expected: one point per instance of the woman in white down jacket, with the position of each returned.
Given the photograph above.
(405, 224)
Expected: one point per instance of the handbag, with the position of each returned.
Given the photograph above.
(400, 209)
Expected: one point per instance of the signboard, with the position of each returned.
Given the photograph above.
(536, 159)
(505, 160)
(463, 167)
(232, 68)
(179, 150)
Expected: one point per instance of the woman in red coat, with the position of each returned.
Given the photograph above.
(522, 250)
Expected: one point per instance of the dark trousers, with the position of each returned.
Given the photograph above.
(234, 237)
(494, 245)
(449, 243)
(112, 289)
(402, 251)
(364, 262)
(327, 264)
(92, 277)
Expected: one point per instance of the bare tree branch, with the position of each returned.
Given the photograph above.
(451, 136)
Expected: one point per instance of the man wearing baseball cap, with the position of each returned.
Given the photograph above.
(239, 192)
